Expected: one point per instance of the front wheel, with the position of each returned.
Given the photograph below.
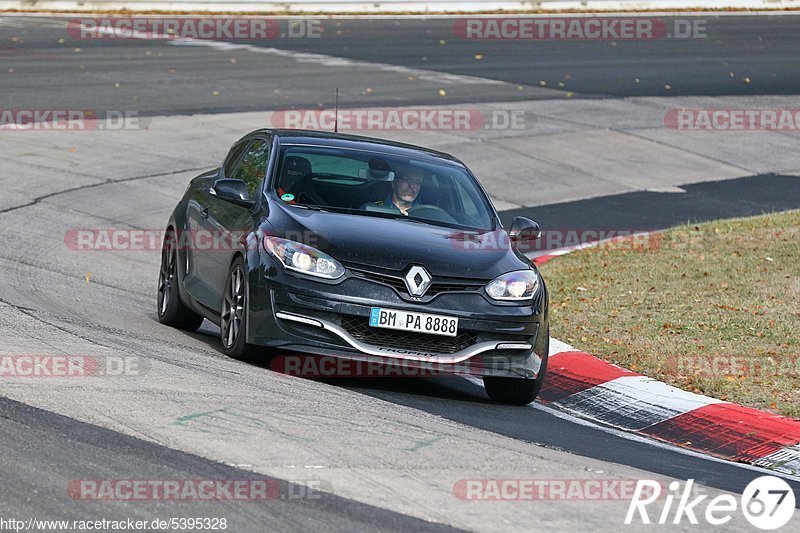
(233, 323)
(516, 391)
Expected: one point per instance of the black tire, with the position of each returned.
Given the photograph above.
(516, 391)
(233, 319)
(171, 309)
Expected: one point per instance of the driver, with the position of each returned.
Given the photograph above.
(405, 190)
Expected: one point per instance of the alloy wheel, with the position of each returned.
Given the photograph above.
(233, 308)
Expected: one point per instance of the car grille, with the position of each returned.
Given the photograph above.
(398, 284)
(359, 329)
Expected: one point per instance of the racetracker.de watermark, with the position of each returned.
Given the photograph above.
(206, 28)
(195, 490)
(557, 239)
(142, 240)
(579, 28)
(732, 119)
(70, 120)
(69, 366)
(749, 366)
(546, 489)
(449, 119)
(323, 366)
(138, 240)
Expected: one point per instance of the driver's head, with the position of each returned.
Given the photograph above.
(407, 184)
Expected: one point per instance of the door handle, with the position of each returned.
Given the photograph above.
(204, 214)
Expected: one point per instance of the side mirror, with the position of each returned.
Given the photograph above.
(524, 229)
(233, 191)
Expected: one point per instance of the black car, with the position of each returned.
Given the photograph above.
(357, 248)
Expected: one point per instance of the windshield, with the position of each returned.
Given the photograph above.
(376, 184)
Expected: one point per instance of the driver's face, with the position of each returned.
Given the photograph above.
(407, 187)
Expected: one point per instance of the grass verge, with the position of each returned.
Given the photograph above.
(713, 308)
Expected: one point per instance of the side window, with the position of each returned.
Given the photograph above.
(252, 167)
(233, 157)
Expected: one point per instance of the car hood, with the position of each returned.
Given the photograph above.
(396, 243)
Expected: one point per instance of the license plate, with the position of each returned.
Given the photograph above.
(410, 321)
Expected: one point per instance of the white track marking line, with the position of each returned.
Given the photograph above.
(334, 61)
(306, 57)
(656, 443)
(786, 460)
(633, 402)
(556, 347)
(634, 437)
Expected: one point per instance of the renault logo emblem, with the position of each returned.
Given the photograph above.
(417, 281)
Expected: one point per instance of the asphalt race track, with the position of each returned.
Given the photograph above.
(173, 80)
(346, 454)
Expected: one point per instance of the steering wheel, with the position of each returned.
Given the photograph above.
(432, 212)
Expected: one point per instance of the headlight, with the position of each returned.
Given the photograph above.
(301, 258)
(514, 286)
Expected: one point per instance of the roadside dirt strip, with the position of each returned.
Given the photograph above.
(589, 387)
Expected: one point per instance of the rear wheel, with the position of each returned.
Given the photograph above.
(171, 310)
(233, 323)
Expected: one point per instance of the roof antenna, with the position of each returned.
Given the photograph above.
(336, 118)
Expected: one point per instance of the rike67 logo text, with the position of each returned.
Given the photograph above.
(767, 503)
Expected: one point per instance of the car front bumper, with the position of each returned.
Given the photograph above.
(300, 314)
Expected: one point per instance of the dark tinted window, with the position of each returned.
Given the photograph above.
(252, 167)
(233, 157)
(376, 184)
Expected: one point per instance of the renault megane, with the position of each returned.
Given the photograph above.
(359, 248)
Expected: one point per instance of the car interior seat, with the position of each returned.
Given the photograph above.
(295, 168)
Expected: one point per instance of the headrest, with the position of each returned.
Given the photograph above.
(379, 168)
(296, 167)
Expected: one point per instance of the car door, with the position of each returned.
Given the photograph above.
(195, 283)
(227, 222)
